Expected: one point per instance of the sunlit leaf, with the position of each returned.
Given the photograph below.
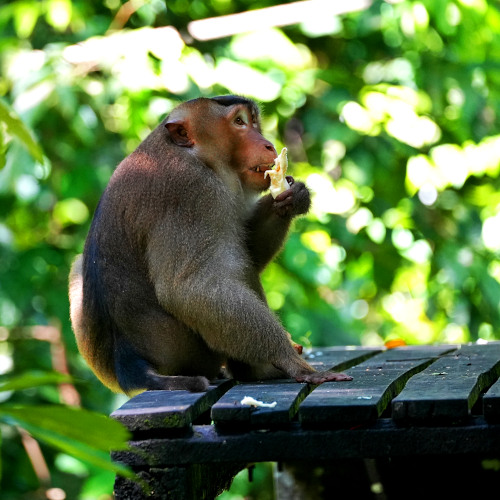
(16, 128)
(31, 379)
(25, 17)
(80, 433)
(59, 13)
(93, 429)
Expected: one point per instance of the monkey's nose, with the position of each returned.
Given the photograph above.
(270, 147)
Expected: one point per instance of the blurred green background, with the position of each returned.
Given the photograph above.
(390, 111)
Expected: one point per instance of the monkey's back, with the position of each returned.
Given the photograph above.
(158, 202)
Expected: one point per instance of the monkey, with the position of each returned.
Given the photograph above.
(167, 292)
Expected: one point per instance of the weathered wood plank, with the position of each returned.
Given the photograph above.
(211, 444)
(491, 403)
(339, 358)
(375, 382)
(449, 388)
(168, 409)
(286, 393)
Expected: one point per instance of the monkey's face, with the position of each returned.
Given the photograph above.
(224, 133)
(252, 154)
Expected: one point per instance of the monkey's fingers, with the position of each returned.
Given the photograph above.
(320, 377)
(287, 192)
(284, 196)
(284, 208)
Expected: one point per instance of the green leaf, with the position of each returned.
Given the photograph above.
(32, 379)
(3, 149)
(93, 429)
(82, 434)
(17, 128)
(0, 457)
(25, 18)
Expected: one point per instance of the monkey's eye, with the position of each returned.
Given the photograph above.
(239, 121)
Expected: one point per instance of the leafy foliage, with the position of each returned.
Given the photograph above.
(64, 427)
(390, 115)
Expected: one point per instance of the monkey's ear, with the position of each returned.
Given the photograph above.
(179, 133)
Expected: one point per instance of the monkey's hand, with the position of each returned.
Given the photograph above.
(320, 377)
(293, 201)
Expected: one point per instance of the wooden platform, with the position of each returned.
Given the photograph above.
(409, 402)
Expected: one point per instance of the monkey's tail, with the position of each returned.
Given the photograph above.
(94, 344)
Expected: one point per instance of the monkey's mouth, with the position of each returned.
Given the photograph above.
(262, 168)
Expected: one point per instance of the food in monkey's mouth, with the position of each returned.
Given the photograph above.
(278, 174)
(263, 168)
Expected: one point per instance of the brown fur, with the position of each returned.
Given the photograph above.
(167, 290)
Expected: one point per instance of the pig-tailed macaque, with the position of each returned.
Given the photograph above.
(167, 292)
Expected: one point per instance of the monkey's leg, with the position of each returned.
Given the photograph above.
(246, 372)
(156, 351)
(134, 373)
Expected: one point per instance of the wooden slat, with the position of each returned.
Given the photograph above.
(286, 393)
(339, 358)
(447, 390)
(375, 382)
(168, 409)
(491, 403)
(385, 439)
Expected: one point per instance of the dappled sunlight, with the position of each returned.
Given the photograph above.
(398, 69)
(491, 233)
(359, 219)
(333, 152)
(318, 241)
(451, 164)
(427, 194)
(272, 45)
(390, 113)
(419, 252)
(70, 211)
(310, 12)
(241, 79)
(413, 130)
(409, 312)
(126, 55)
(376, 231)
(363, 218)
(327, 198)
(453, 334)
(396, 109)
(360, 119)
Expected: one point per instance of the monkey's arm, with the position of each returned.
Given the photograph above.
(270, 222)
(203, 287)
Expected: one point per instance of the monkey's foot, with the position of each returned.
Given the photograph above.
(176, 382)
(320, 377)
